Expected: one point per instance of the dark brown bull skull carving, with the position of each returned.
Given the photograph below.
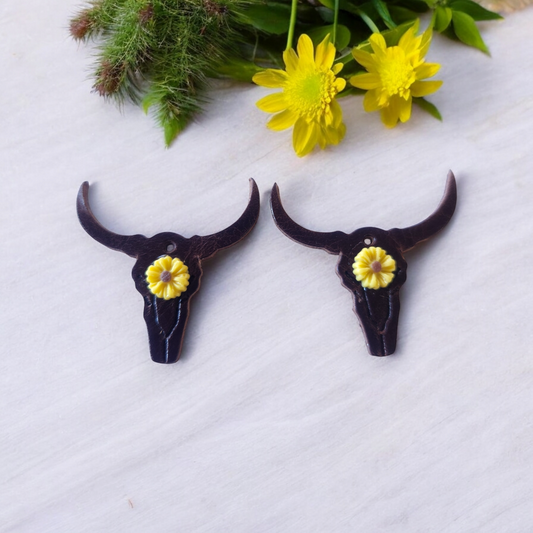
(378, 309)
(166, 319)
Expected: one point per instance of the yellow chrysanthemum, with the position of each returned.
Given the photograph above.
(307, 101)
(374, 268)
(167, 278)
(394, 75)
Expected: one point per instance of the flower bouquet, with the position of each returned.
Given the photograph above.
(160, 54)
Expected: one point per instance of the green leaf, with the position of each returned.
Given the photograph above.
(172, 128)
(466, 30)
(448, 32)
(392, 37)
(402, 14)
(148, 101)
(360, 11)
(238, 69)
(428, 107)
(443, 18)
(382, 9)
(326, 14)
(343, 4)
(318, 34)
(270, 17)
(419, 6)
(473, 9)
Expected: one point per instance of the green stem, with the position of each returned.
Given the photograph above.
(369, 22)
(335, 20)
(292, 24)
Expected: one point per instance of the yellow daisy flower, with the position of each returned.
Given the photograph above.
(394, 75)
(374, 268)
(307, 101)
(167, 278)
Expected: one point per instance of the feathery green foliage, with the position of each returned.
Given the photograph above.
(157, 51)
(193, 39)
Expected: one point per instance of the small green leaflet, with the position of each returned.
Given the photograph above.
(466, 30)
(442, 18)
(318, 34)
(476, 11)
(428, 107)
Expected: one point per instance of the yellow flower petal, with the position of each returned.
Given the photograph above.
(390, 115)
(388, 264)
(377, 42)
(328, 119)
(373, 282)
(410, 44)
(271, 78)
(407, 39)
(339, 84)
(335, 135)
(425, 42)
(304, 137)
(371, 101)
(323, 140)
(273, 103)
(337, 68)
(426, 70)
(282, 120)
(180, 270)
(423, 88)
(404, 109)
(291, 61)
(366, 81)
(364, 58)
(387, 277)
(336, 112)
(305, 50)
(180, 287)
(325, 54)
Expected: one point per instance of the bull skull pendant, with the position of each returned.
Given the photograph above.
(168, 270)
(371, 264)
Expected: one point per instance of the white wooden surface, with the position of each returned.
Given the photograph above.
(275, 419)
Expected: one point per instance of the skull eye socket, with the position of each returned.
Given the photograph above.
(171, 247)
(367, 240)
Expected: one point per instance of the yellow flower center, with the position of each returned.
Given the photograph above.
(310, 92)
(396, 72)
(165, 276)
(376, 266)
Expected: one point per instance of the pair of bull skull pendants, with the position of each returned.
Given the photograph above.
(168, 270)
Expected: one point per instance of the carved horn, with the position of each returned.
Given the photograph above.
(130, 245)
(408, 238)
(331, 242)
(211, 244)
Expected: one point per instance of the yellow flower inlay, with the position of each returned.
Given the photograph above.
(167, 278)
(374, 268)
(394, 75)
(307, 101)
